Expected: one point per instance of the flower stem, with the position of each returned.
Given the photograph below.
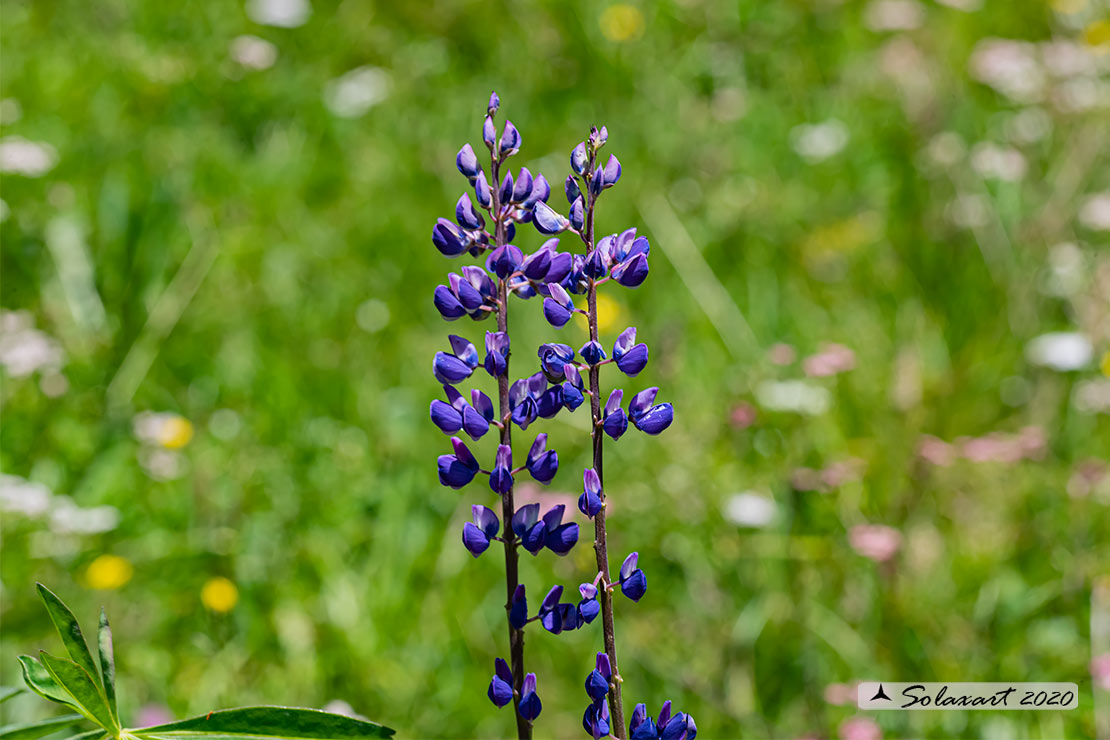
(616, 706)
(512, 579)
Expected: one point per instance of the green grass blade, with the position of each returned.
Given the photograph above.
(39, 729)
(70, 632)
(7, 692)
(107, 663)
(77, 682)
(268, 723)
(39, 680)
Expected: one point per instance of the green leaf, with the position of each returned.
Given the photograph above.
(70, 632)
(7, 692)
(97, 733)
(277, 723)
(39, 729)
(39, 680)
(79, 684)
(107, 664)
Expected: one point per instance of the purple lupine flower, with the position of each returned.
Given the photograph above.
(505, 260)
(596, 265)
(558, 307)
(460, 468)
(449, 239)
(592, 352)
(524, 399)
(588, 608)
(522, 190)
(482, 192)
(633, 273)
(546, 219)
(633, 581)
(615, 421)
(573, 389)
(570, 187)
(630, 357)
(497, 353)
(596, 719)
(542, 463)
(597, 683)
(578, 213)
(541, 191)
(501, 478)
(467, 162)
(578, 158)
(448, 305)
(551, 402)
(466, 216)
(612, 172)
(589, 503)
(506, 192)
(666, 727)
(559, 537)
(451, 369)
(518, 611)
(501, 685)
(478, 414)
(556, 617)
(457, 414)
(648, 418)
(510, 140)
(494, 104)
(477, 534)
(473, 291)
(598, 137)
(536, 265)
(489, 132)
(554, 359)
(529, 706)
(527, 526)
(445, 416)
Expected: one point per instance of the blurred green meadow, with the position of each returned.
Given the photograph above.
(879, 301)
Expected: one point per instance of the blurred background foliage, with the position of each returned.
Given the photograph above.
(880, 302)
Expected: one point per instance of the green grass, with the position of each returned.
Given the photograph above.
(234, 226)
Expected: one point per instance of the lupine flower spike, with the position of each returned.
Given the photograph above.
(621, 258)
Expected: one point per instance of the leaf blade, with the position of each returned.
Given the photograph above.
(70, 631)
(39, 680)
(107, 664)
(268, 723)
(34, 730)
(80, 685)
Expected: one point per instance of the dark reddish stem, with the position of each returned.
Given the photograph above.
(616, 706)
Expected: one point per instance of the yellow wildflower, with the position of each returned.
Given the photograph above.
(219, 594)
(108, 572)
(176, 432)
(622, 22)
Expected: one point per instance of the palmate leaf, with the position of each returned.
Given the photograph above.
(39, 729)
(266, 723)
(79, 684)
